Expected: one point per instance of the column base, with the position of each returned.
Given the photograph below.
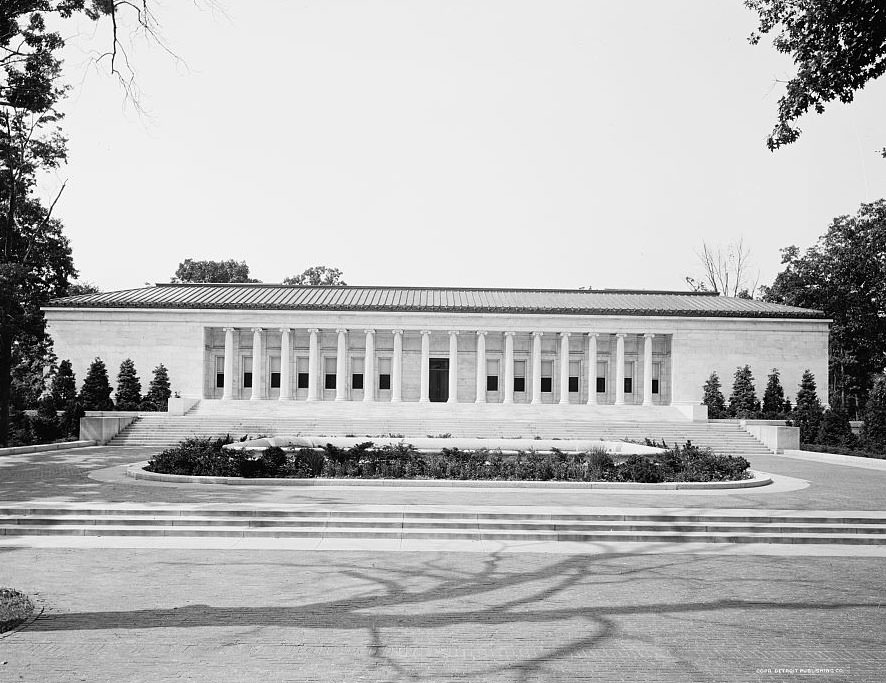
(618, 403)
(396, 400)
(340, 398)
(424, 400)
(311, 399)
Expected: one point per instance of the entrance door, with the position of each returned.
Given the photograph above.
(438, 376)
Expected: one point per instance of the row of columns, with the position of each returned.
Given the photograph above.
(286, 366)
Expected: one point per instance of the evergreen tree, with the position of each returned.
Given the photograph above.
(95, 394)
(70, 421)
(713, 398)
(159, 391)
(129, 388)
(46, 424)
(835, 429)
(743, 401)
(873, 432)
(64, 386)
(773, 397)
(807, 414)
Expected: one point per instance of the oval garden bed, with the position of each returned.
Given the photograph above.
(208, 461)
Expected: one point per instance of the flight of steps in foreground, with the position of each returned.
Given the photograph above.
(268, 418)
(649, 526)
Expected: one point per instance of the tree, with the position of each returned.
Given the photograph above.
(873, 431)
(46, 424)
(79, 288)
(190, 270)
(773, 396)
(844, 275)
(70, 420)
(159, 392)
(95, 394)
(129, 388)
(838, 47)
(64, 385)
(317, 275)
(835, 429)
(727, 270)
(807, 414)
(713, 398)
(743, 399)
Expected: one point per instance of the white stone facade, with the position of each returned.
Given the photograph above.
(399, 355)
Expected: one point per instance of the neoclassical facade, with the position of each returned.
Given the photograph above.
(438, 345)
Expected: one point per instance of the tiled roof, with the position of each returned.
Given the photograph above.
(433, 299)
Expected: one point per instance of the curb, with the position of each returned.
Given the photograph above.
(137, 471)
(40, 448)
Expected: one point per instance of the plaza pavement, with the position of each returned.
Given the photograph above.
(686, 613)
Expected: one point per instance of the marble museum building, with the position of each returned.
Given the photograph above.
(303, 344)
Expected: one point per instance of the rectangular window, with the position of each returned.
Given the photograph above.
(384, 374)
(629, 377)
(574, 374)
(601, 378)
(301, 365)
(492, 375)
(219, 372)
(356, 373)
(275, 372)
(329, 372)
(519, 375)
(547, 376)
(656, 376)
(247, 372)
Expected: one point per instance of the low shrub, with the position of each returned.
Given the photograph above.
(15, 608)
(841, 450)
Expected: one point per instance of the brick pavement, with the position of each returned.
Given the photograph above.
(204, 615)
(63, 476)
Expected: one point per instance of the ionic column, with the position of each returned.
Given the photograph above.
(620, 368)
(425, 360)
(285, 364)
(536, 366)
(397, 368)
(341, 365)
(481, 367)
(228, 389)
(453, 367)
(369, 367)
(564, 367)
(647, 368)
(313, 360)
(592, 368)
(257, 366)
(509, 367)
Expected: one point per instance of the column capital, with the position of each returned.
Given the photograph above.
(453, 333)
(566, 334)
(510, 334)
(425, 332)
(593, 334)
(482, 333)
(313, 330)
(342, 330)
(256, 330)
(397, 331)
(621, 335)
(648, 335)
(369, 330)
(229, 329)
(538, 334)
(286, 329)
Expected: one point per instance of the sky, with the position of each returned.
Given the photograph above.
(481, 143)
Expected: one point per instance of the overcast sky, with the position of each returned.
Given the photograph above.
(507, 143)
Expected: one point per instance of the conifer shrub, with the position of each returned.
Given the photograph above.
(834, 429)
(743, 402)
(95, 394)
(773, 396)
(129, 388)
(159, 391)
(808, 411)
(713, 398)
(46, 425)
(873, 431)
(63, 388)
(70, 419)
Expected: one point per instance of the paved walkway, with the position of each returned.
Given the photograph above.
(64, 476)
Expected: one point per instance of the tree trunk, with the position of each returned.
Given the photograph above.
(5, 385)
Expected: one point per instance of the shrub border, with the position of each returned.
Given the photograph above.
(137, 471)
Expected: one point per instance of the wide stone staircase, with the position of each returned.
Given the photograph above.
(272, 418)
(453, 524)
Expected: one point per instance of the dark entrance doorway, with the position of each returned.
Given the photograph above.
(438, 376)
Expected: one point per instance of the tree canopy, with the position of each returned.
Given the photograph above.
(230, 270)
(844, 275)
(837, 47)
(316, 275)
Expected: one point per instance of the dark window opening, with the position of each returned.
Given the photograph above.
(519, 384)
(573, 385)
(547, 385)
(247, 380)
(601, 385)
(357, 380)
(491, 382)
(629, 385)
(275, 380)
(219, 380)
(655, 386)
(302, 380)
(384, 382)
(330, 380)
